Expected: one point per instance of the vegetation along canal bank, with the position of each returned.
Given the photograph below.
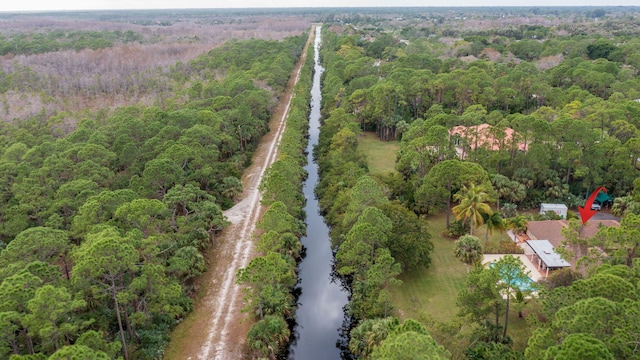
(133, 148)
(490, 116)
(320, 313)
(249, 299)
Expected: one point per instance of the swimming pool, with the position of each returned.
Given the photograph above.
(522, 282)
(525, 285)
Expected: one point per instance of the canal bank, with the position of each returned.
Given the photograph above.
(320, 315)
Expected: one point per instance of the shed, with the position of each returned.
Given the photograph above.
(560, 209)
(548, 258)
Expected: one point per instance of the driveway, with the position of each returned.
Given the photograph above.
(601, 215)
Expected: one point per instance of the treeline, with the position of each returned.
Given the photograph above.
(57, 40)
(576, 123)
(97, 60)
(554, 134)
(272, 275)
(103, 229)
(375, 238)
(147, 74)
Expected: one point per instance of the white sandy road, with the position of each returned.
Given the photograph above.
(219, 314)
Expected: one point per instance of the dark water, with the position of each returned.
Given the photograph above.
(320, 314)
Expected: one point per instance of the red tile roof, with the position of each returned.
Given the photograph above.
(552, 229)
(485, 136)
(547, 230)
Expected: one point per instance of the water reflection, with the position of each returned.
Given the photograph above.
(320, 318)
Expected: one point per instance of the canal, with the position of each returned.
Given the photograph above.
(320, 315)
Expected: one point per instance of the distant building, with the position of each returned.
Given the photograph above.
(484, 136)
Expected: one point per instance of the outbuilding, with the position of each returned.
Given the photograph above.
(560, 209)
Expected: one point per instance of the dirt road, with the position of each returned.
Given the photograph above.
(217, 328)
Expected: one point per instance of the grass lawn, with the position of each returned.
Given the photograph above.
(380, 155)
(432, 291)
(519, 329)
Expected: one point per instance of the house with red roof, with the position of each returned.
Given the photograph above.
(551, 231)
(488, 137)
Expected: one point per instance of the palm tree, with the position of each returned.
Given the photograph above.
(472, 205)
(501, 185)
(508, 210)
(625, 205)
(518, 224)
(268, 335)
(231, 187)
(494, 222)
(519, 302)
(468, 250)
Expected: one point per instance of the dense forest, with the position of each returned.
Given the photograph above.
(271, 297)
(71, 65)
(125, 135)
(104, 221)
(557, 94)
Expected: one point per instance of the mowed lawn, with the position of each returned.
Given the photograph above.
(380, 155)
(432, 291)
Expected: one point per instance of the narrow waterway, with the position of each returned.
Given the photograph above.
(320, 314)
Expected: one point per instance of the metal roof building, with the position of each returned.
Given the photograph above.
(548, 258)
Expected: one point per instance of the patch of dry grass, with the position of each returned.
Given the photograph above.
(380, 155)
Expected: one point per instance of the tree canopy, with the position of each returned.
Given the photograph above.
(104, 222)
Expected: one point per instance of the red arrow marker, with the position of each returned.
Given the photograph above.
(585, 212)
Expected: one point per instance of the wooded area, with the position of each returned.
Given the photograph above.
(125, 134)
(503, 107)
(104, 220)
(71, 65)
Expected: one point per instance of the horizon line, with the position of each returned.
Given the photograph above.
(320, 8)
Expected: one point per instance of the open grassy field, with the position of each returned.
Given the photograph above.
(381, 155)
(432, 293)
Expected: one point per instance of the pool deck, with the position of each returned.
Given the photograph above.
(534, 273)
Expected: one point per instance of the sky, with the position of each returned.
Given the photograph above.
(36, 5)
